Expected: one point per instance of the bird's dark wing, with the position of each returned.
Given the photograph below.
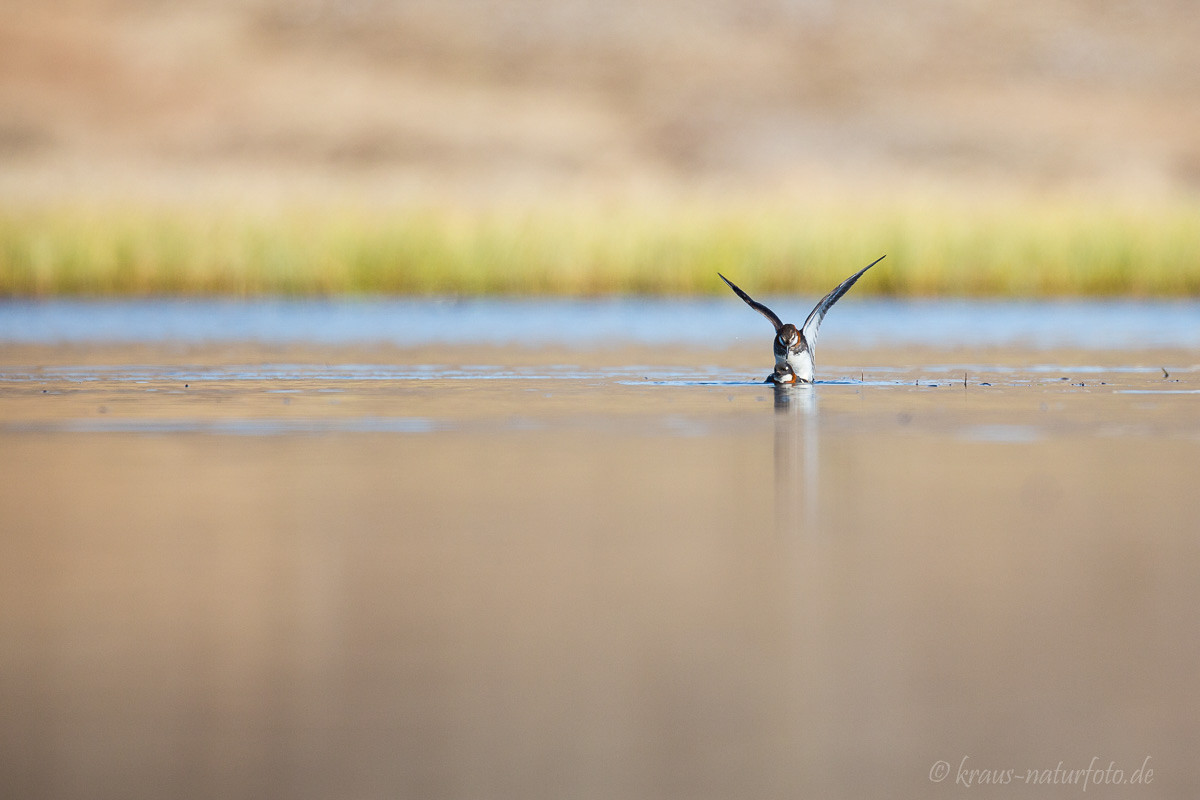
(757, 306)
(813, 323)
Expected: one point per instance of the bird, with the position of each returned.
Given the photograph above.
(794, 346)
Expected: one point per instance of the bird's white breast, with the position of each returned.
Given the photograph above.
(801, 364)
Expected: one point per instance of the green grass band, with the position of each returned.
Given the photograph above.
(938, 249)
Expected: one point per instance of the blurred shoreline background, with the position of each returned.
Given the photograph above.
(263, 147)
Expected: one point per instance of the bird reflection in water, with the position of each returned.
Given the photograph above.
(796, 452)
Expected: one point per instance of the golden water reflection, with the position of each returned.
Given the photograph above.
(574, 588)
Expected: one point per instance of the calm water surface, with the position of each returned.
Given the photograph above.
(408, 323)
(427, 572)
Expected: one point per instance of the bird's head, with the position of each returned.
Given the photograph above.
(789, 337)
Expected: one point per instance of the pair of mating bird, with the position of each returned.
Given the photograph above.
(794, 346)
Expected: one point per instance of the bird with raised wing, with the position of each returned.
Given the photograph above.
(794, 346)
